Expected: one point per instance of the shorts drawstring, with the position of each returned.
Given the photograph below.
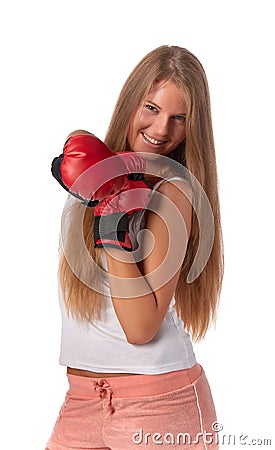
(104, 389)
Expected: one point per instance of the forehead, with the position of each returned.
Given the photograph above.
(168, 95)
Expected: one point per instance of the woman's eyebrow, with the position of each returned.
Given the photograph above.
(150, 101)
(155, 104)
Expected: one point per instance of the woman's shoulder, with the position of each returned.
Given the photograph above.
(170, 198)
(174, 188)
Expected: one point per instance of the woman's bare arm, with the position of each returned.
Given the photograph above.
(141, 316)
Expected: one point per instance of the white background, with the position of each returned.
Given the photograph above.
(63, 64)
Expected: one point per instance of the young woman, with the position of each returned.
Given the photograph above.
(134, 381)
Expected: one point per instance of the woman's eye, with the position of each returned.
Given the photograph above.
(151, 108)
(180, 117)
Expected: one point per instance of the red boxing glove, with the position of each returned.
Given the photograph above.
(112, 216)
(75, 169)
(112, 182)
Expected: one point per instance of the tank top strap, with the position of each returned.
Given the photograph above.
(156, 186)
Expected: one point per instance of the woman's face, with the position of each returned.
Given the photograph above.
(158, 124)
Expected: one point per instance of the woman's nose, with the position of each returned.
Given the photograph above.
(162, 125)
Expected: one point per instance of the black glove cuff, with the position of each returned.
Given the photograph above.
(111, 227)
(136, 176)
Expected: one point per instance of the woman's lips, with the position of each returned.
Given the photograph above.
(152, 140)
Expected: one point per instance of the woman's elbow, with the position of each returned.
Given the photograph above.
(140, 339)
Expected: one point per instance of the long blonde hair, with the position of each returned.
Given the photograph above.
(196, 302)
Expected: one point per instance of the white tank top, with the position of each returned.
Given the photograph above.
(101, 346)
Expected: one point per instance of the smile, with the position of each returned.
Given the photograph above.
(150, 139)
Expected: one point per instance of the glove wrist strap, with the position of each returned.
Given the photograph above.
(111, 228)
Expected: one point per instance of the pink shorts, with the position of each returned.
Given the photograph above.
(173, 410)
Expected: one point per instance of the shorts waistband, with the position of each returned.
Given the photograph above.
(136, 385)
